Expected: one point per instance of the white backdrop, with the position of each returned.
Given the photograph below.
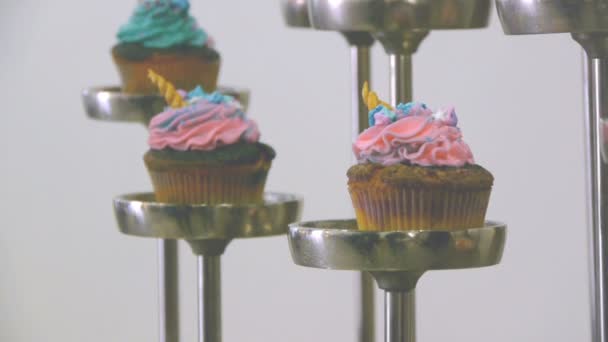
(67, 275)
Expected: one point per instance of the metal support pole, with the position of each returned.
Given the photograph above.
(596, 100)
(209, 299)
(399, 316)
(360, 68)
(400, 78)
(367, 313)
(400, 307)
(597, 96)
(168, 288)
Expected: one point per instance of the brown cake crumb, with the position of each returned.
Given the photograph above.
(465, 177)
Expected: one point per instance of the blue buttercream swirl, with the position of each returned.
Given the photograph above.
(162, 24)
(382, 115)
(214, 97)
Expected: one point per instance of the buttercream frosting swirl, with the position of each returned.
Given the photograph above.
(412, 134)
(162, 24)
(209, 121)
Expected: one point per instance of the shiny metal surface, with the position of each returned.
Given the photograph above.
(597, 179)
(360, 61)
(168, 294)
(360, 64)
(139, 215)
(399, 316)
(395, 259)
(209, 298)
(588, 23)
(552, 16)
(295, 13)
(111, 104)
(400, 306)
(400, 79)
(339, 245)
(367, 308)
(398, 15)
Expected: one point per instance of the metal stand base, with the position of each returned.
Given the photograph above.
(396, 260)
(208, 230)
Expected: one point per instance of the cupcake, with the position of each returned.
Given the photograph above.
(203, 149)
(162, 36)
(415, 172)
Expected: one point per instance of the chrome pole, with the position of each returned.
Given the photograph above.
(400, 78)
(596, 99)
(398, 309)
(366, 317)
(168, 286)
(360, 60)
(596, 192)
(209, 299)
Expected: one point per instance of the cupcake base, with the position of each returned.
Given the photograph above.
(405, 197)
(413, 209)
(235, 185)
(186, 71)
(197, 177)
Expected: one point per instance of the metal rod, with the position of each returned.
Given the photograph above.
(168, 286)
(360, 68)
(400, 78)
(597, 190)
(400, 307)
(367, 311)
(209, 299)
(399, 316)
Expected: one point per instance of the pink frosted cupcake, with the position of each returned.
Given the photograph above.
(415, 172)
(205, 150)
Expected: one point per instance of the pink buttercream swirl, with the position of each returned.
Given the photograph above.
(415, 137)
(203, 125)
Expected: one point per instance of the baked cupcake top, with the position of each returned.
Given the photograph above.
(199, 121)
(411, 134)
(162, 24)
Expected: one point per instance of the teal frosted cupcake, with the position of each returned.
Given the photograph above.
(162, 36)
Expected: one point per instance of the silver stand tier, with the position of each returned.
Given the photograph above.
(295, 14)
(400, 25)
(586, 21)
(396, 260)
(110, 104)
(208, 230)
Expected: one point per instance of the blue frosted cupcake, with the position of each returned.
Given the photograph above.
(162, 36)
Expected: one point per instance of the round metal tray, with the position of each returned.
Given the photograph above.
(111, 104)
(398, 15)
(552, 16)
(339, 245)
(139, 215)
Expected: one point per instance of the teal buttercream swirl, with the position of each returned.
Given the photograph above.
(162, 24)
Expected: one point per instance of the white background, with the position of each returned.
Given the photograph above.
(67, 275)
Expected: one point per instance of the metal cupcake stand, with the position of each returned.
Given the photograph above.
(587, 22)
(396, 260)
(207, 229)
